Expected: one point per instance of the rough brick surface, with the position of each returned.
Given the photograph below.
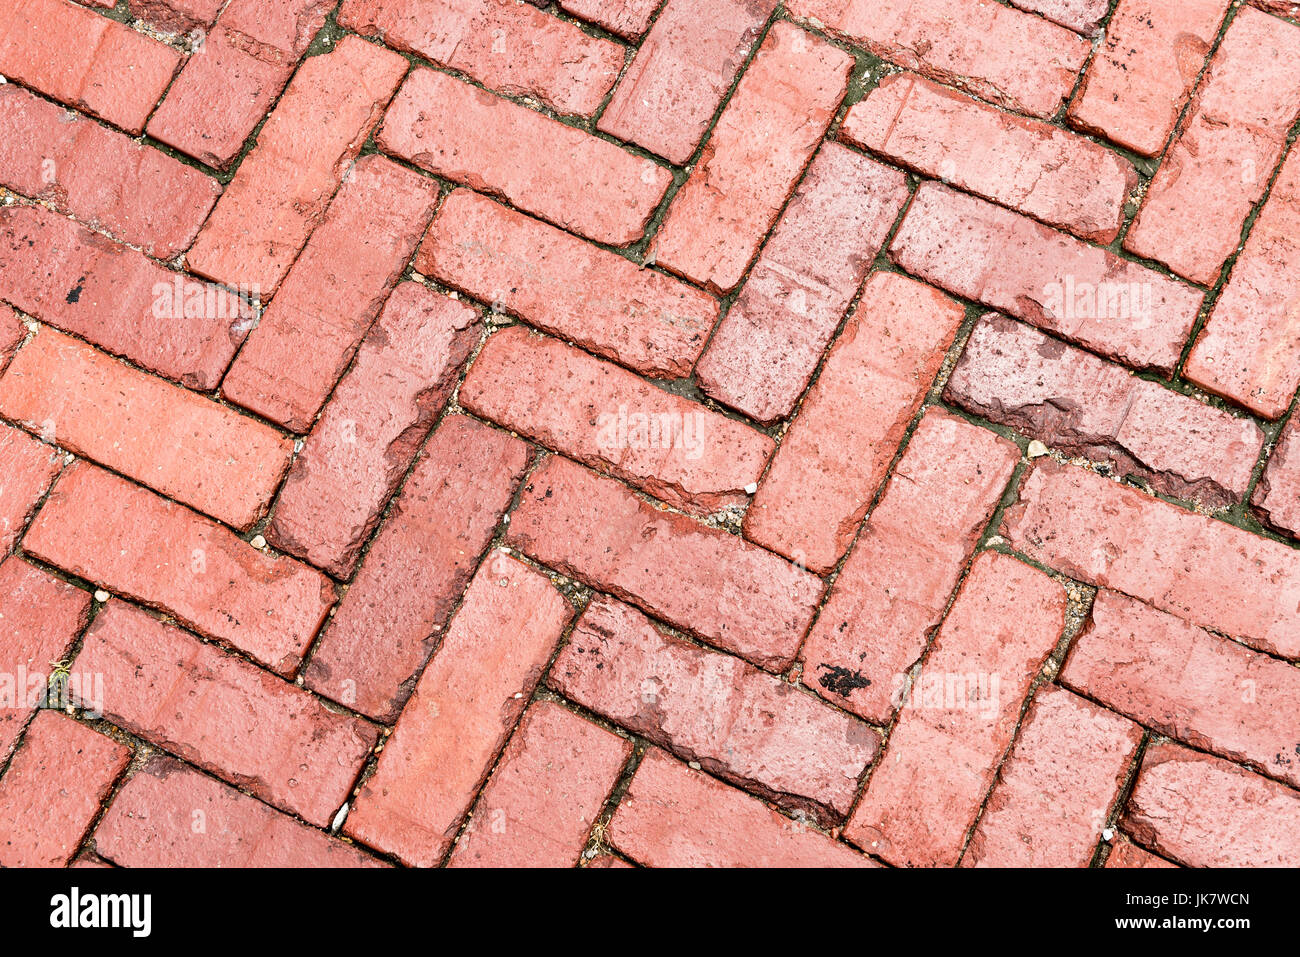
(732, 719)
(1084, 406)
(960, 716)
(29, 468)
(464, 707)
(640, 318)
(1126, 854)
(1276, 499)
(753, 158)
(765, 351)
(895, 585)
(174, 16)
(1082, 16)
(1008, 262)
(715, 586)
(627, 18)
(183, 445)
(374, 424)
(128, 540)
(834, 457)
(678, 451)
(12, 334)
(560, 173)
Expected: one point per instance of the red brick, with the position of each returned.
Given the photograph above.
(943, 753)
(1206, 812)
(85, 60)
(1137, 84)
(1221, 162)
(756, 154)
(83, 283)
(609, 861)
(372, 428)
(643, 319)
(227, 87)
(895, 585)
(1189, 684)
(1081, 16)
(53, 788)
(169, 815)
(546, 793)
(765, 351)
(12, 334)
(1249, 349)
(183, 445)
(1082, 405)
(29, 468)
(1057, 177)
(1276, 499)
(1198, 568)
(176, 16)
(1001, 55)
(686, 64)
(1126, 854)
(565, 175)
(607, 418)
(675, 817)
(463, 709)
(1054, 281)
(1283, 8)
(133, 543)
(627, 18)
(713, 585)
(241, 724)
(392, 616)
(834, 457)
(103, 178)
(40, 618)
(1056, 790)
(754, 730)
(282, 187)
(507, 46)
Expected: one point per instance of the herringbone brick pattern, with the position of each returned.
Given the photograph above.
(651, 432)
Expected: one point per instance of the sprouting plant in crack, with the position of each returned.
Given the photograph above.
(56, 688)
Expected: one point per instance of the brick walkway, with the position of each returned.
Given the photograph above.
(607, 432)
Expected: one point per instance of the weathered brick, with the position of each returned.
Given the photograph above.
(675, 817)
(607, 418)
(392, 616)
(1151, 57)
(105, 179)
(1056, 790)
(128, 540)
(960, 716)
(373, 426)
(183, 445)
(225, 89)
(85, 60)
(545, 794)
(563, 174)
(1198, 568)
(1283, 8)
(1126, 854)
(713, 585)
(1249, 349)
(83, 283)
(29, 468)
(463, 709)
(1081, 16)
(246, 726)
(754, 157)
(282, 187)
(1206, 812)
(152, 823)
(40, 618)
(507, 46)
(53, 788)
(1083, 405)
(1001, 55)
(737, 722)
(609, 861)
(627, 18)
(1221, 162)
(1187, 683)
(1276, 499)
(765, 351)
(597, 299)
(834, 457)
(685, 66)
(1012, 264)
(175, 16)
(12, 334)
(1057, 177)
(895, 585)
